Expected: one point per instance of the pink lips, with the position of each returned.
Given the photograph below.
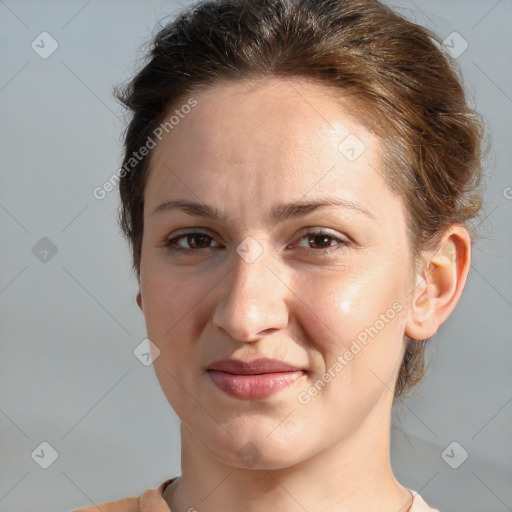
(254, 379)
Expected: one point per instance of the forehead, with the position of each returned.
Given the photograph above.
(272, 112)
(257, 140)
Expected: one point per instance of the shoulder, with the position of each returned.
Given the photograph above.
(150, 501)
(420, 505)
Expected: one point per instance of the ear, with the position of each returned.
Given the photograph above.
(138, 299)
(439, 283)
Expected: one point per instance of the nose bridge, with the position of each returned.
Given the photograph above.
(254, 297)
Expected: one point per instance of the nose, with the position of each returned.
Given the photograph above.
(253, 300)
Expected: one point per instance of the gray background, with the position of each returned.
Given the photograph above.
(69, 325)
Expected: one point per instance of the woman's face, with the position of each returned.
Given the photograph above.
(322, 288)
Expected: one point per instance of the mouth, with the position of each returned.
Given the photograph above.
(254, 386)
(253, 380)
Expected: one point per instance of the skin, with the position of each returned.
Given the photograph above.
(245, 148)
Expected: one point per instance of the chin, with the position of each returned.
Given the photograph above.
(256, 451)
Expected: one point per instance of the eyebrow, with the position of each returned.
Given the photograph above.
(280, 212)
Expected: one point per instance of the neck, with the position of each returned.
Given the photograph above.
(353, 474)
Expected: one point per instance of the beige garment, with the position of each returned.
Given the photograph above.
(152, 501)
(149, 501)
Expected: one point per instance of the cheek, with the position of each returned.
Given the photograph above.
(360, 313)
(171, 305)
(168, 300)
(355, 329)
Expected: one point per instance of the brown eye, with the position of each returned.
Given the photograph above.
(198, 241)
(192, 241)
(319, 240)
(322, 242)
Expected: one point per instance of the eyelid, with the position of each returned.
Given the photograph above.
(322, 231)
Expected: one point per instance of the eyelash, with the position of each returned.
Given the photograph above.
(342, 243)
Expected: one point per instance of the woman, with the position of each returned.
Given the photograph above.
(298, 182)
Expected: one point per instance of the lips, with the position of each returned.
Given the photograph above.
(256, 366)
(251, 380)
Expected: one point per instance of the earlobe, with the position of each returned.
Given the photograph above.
(440, 284)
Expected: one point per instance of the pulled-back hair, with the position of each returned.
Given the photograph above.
(400, 80)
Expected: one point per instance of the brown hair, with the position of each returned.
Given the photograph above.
(397, 73)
